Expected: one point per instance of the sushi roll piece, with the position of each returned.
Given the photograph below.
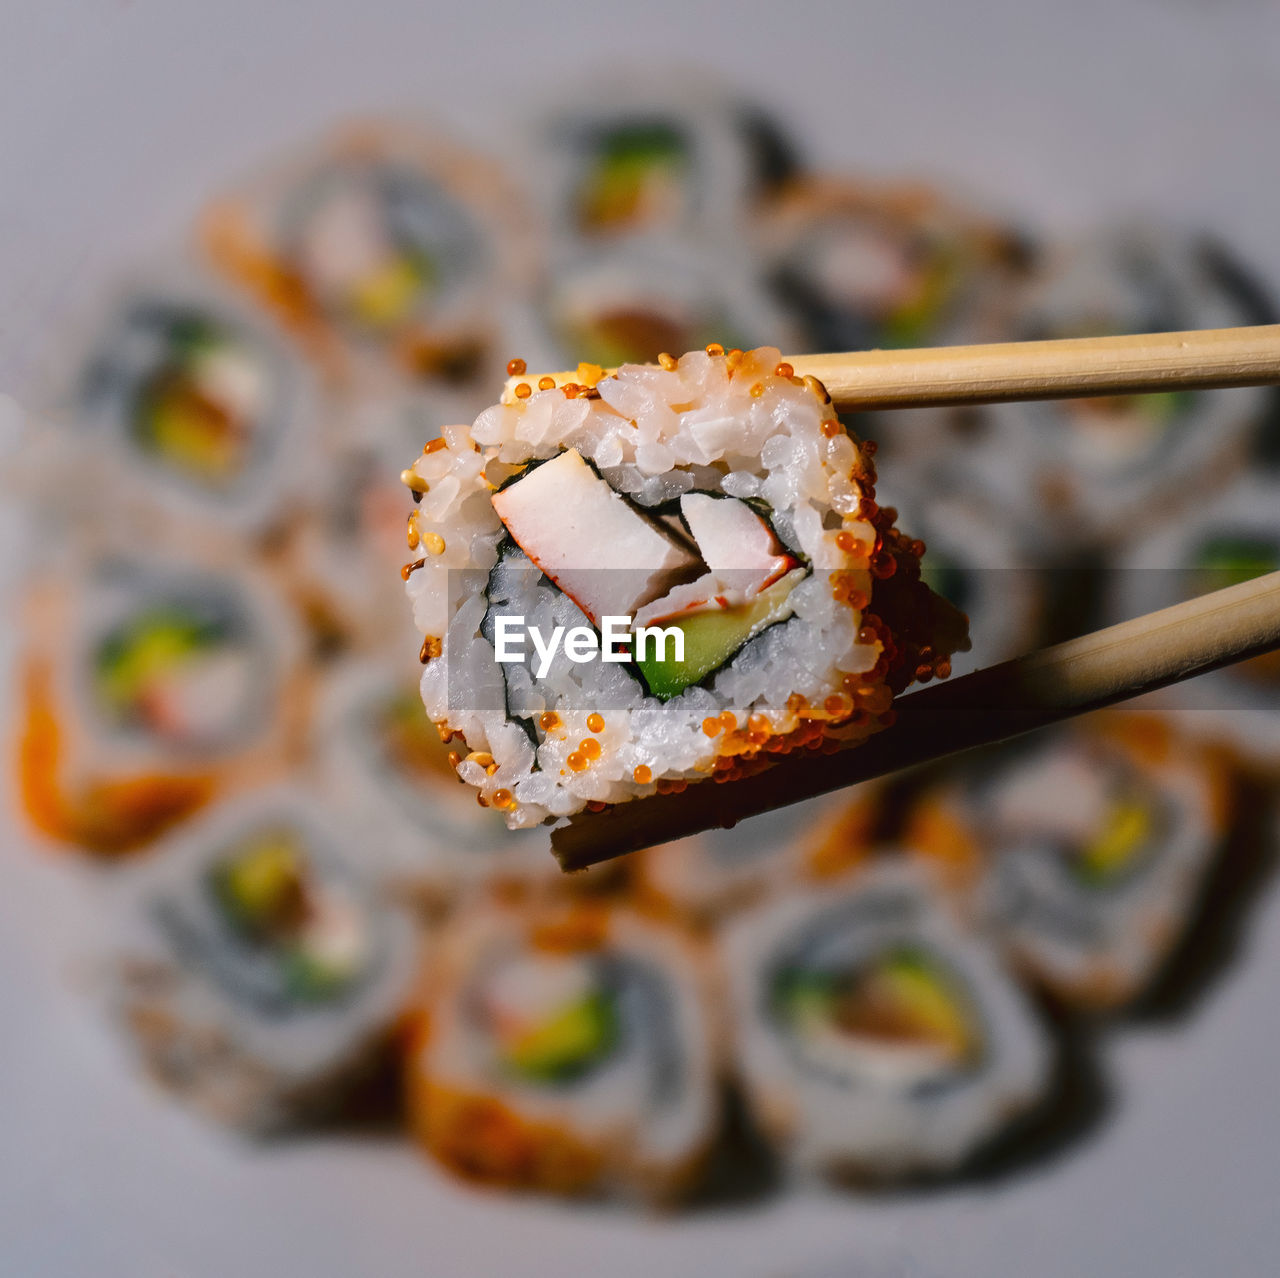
(1084, 854)
(1223, 541)
(186, 405)
(868, 266)
(627, 303)
(862, 265)
(715, 500)
(1094, 466)
(877, 1038)
(257, 971)
(149, 686)
(384, 762)
(638, 157)
(571, 1050)
(383, 245)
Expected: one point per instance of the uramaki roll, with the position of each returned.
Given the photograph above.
(258, 969)
(1083, 850)
(876, 1035)
(151, 685)
(717, 496)
(570, 1049)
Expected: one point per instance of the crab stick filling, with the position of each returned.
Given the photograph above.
(572, 525)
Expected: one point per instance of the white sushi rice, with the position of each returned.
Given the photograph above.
(653, 434)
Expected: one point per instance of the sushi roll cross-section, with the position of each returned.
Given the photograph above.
(876, 1036)
(185, 404)
(659, 576)
(258, 971)
(1083, 853)
(569, 1049)
(149, 687)
(380, 250)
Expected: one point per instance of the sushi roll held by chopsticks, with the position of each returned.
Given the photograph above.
(715, 500)
(630, 580)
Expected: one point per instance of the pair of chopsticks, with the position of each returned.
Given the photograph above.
(1029, 692)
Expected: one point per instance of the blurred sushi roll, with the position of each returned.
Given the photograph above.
(149, 686)
(188, 405)
(570, 1050)
(628, 303)
(256, 970)
(1094, 465)
(876, 1037)
(635, 158)
(1223, 541)
(866, 265)
(707, 876)
(384, 245)
(862, 265)
(1084, 852)
(384, 761)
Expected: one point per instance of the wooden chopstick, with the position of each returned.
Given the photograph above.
(1063, 369)
(980, 709)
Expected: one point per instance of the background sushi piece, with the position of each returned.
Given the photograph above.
(573, 1050)
(1090, 467)
(385, 762)
(258, 971)
(711, 877)
(628, 303)
(677, 154)
(869, 265)
(875, 1036)
(382, 248)
(1083, 850)
(149, 687)
(708, 877)
(184, 403)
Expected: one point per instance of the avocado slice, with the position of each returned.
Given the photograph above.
(1128, 830)
(261, 888)
(569, 1043)
(906, 998)
(155, 642)
(713, 636)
